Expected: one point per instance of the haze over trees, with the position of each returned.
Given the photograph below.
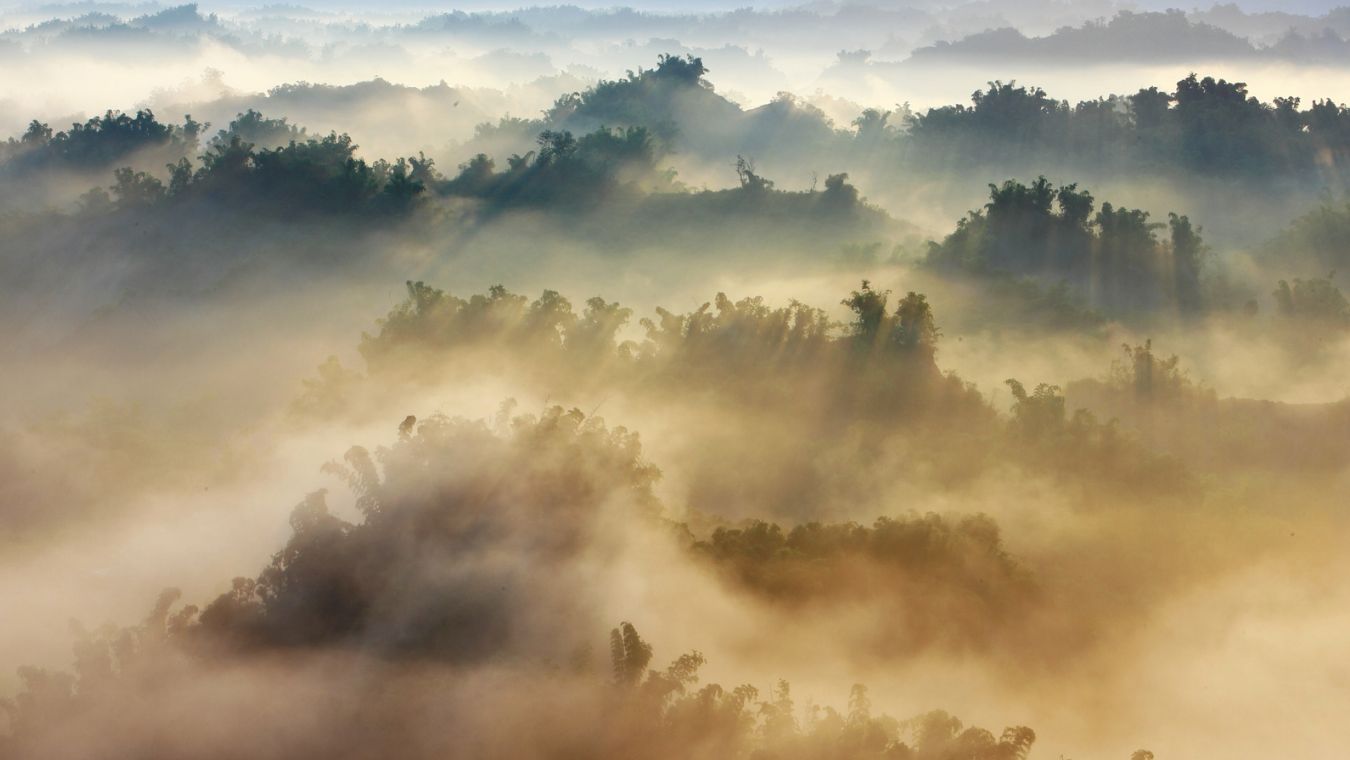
(379, 588)
(709, 383)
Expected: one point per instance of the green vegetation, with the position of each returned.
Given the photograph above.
(1205, 125)
(1113, 258)
(98, 143)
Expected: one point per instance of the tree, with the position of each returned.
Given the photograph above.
(1148, 108)
(37, 135)
(134, 188)
(555, 147)
(687, 70)
(629, 655)
(839, 194)
(1314, 301)
(750, 181)
(255, 129)
(1016, 742)
(401, 187)
(869, 310)
(915, 329)
(1038, 414)
(1187, 251)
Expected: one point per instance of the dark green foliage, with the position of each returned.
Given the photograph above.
(135, 188)
(253, 128)
(751, 182)
(97, 143)
(315, 175)
(650, 98)
(1206, 125)
(838, 192)
(910, 328)
(681, 111)
(1013, 115)
(1188, 253)
(564, 171)
(257, 165)
(1114, 258)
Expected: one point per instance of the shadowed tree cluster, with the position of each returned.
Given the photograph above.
(884, 353)
(667, 713)
(416, 577)
(253, 128)
(1044, 433)
(658, 99)
(1205, 125)
(306, 175)
(622, 165)
(565, 170)
(269, 166)
(98, 143)
(1315, 303)
(1111, 256)
(948, 582)
(472, 547)
(681, 110)
(644, 712)
(869, 389)
(257, 165)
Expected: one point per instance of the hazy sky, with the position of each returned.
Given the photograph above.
(1288, 6)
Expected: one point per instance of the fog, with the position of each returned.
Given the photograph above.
(962, 380)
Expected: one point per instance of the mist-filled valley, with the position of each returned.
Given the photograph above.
(941, 381)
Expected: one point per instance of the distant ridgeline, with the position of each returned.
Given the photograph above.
(1221, 33)
(1206, 126)
(267, 165)
(1109, 260)
(1050, 252)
